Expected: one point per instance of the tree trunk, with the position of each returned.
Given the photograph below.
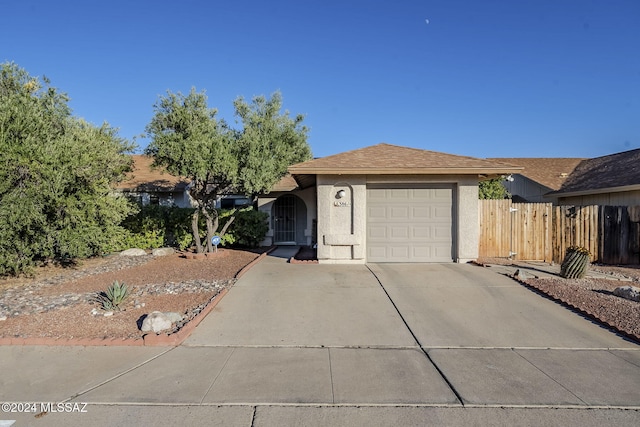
(211, 228)
(195, 231)
(226, 226)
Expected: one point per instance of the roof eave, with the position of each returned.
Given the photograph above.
(404, 171)
(620, 189)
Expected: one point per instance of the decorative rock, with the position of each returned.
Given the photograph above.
(3, 318)
(108, 313)
(156, 321)
(162, 251)
(173, 316)
(133, 252)
(628, 292)
(520, 275)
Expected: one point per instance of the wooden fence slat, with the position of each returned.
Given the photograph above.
(540, 231)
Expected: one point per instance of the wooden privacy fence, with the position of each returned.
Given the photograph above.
(542, 232)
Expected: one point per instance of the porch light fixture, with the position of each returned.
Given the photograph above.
(340, 194)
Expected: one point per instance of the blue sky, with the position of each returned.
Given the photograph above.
(492, 78)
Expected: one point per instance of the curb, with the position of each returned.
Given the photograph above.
(147, 340)
(255, 261)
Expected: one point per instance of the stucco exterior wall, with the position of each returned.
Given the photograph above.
(342, 222)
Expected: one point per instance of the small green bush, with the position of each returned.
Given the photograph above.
(114, 297)
(249, 227)
(157, 226)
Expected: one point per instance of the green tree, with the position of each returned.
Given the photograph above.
(493, 189)
(269, 142)
(188, 141)
(56, 172)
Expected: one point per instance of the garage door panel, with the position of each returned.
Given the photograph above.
(377, 213)
(421, 232)
(377, 232)
(441, 234)
(399, 212)
(398, 252)
(379, 252)
(418, 212)
(398, 194)
(399, 233)
(409, 225)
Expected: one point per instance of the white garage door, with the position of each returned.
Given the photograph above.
(409, 224)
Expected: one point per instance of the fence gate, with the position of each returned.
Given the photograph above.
(518, 230)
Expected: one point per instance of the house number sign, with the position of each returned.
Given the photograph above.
(341, 204)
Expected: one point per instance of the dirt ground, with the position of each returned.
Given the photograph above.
(158, 284)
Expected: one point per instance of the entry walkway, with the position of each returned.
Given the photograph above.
(380, 344)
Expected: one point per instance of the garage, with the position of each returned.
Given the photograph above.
(410, 224)
(391, 204)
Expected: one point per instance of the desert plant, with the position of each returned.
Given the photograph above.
(574, 265)
(114, 297)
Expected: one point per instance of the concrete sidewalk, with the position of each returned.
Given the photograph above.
(353, 345)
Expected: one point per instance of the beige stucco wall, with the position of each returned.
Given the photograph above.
(342, 222)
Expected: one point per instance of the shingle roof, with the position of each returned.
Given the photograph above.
(392, 159)
(550, 172)
(606, 172)
(287, 183)
(145, 178)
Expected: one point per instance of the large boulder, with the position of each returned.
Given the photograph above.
(133, 252)
(157, 321)
(628, 292)
(163, 251)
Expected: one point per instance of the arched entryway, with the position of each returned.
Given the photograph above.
(289, 220)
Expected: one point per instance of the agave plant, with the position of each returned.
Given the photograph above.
(114, 297)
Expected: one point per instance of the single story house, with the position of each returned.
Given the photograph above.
(156, 186)
(383, 203)
(538, 177)
(612, 180)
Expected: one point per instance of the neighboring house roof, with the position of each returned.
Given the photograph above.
(550, 172)
(390, 159)
(615, 172)
(287, 183)
(146, 178)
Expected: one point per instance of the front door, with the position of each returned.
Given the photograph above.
(284, 220)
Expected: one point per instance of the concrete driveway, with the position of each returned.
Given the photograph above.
(381, 344)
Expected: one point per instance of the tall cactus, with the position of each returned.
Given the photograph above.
(574, 265)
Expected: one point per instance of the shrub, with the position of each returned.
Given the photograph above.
(156, 226)
(249, 227)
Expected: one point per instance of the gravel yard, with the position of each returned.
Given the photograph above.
(59, 302)
(595, 298)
